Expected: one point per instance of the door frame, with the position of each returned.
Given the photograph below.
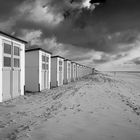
(46, 69)
(62, 71)
(12, 68)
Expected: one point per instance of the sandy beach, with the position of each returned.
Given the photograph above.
(104, 106)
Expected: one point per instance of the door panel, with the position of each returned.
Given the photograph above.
(47, 73)
(43, 80)
(6, 81)
(16, 83)
(47, 79)
(60, 78)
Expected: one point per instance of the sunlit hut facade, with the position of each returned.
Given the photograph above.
(77, 71)
(57, 71)
(89, 70)
(67, 71)
(73, 71)
(93, 70)
(12, 67)
(86, 70)
(37, 69)
(83, 70)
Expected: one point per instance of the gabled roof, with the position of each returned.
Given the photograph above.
(73, 62)
(12, 37)
(37, 49)
(67, 60)
(57, 56)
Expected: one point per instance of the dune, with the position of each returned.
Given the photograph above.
(105, 106)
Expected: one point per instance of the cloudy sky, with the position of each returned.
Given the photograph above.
(105, 36)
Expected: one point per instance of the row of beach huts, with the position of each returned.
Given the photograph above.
(34, 69)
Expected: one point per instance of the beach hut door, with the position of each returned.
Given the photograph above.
(73, 73)
(11, 70)
(45, 72)
(69, 71)
(60, 73)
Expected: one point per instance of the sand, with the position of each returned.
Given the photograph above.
(105, 106)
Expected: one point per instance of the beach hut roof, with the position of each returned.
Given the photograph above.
(57, 56)
(67, 60)
(12, 37)
(36, 49)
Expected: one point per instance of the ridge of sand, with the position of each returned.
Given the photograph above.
(97, 107)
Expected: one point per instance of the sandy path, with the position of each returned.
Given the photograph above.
(98, 107)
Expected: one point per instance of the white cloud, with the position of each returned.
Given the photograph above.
(121, 64)
(32, 36)
(38, 13)
(55, 47)
(49, 44)
(88, 5)
(44, 15)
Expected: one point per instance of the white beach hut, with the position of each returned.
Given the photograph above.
(67, 71)
(57, 71)
(37, 69)
(12, 67)
(73, 71)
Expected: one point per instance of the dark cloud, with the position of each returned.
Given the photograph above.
(97, 39)
(100, 61)
(97, 1)
(136, 61)
(8, 8)
(110, 28)
(127, 37)
(119, 56)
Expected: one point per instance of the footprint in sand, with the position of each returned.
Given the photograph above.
(78, 105)
(79, 110)
(72, 107)
(91, 112)
(138, 113)
(130, 120)
(2, 125)
(125, 109)
(65, 108)
(112, 136)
